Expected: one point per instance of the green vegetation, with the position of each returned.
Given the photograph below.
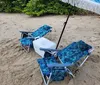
(37, 7)
(12, 5)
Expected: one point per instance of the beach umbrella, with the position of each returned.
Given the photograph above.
(90, 5)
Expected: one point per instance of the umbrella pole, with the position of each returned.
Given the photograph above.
(65, 23)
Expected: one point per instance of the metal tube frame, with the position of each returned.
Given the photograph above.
(48, 80)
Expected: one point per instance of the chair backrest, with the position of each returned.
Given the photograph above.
(74, 51)
(41, 31)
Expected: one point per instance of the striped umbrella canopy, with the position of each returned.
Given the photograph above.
(90, 5)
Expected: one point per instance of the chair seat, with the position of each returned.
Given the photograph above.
(74, 52)
(74, 58)
(43, 64)
(26, 42)
(58, 73)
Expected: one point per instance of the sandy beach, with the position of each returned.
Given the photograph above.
(20, 68)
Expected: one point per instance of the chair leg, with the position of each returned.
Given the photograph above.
(83, 61)
(49, 79)
(21, 35)
(27, 50)
(46, 82)
(67, 69)
(43, 77)
(79, 66)
(69, 72)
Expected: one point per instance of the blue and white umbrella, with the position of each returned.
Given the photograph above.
(90, 5)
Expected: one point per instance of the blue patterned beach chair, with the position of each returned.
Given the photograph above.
(72, 54)
(28, 37)
(51, 69)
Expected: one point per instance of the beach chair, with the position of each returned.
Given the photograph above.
(51, 69)
(74, 54)
(27, 38)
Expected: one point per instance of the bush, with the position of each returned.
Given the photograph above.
(37, 7)
(18, 5)
(5, 5)
(41, 7)
(12, 5)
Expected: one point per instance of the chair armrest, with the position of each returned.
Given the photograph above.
(24, 32)
(51, 51)
(30, 37)
(59, 65)
(37, 37)
(45, 49)
(91, 50)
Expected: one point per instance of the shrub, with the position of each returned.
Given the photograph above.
(41, 7)
(38, 7)
(12, 5)
(18, 5)
(5, 5)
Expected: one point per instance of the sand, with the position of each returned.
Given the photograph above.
(20, 68)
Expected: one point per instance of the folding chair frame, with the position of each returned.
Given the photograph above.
(54, 52)
(27, 33)
(47, 81)
(24, 32)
